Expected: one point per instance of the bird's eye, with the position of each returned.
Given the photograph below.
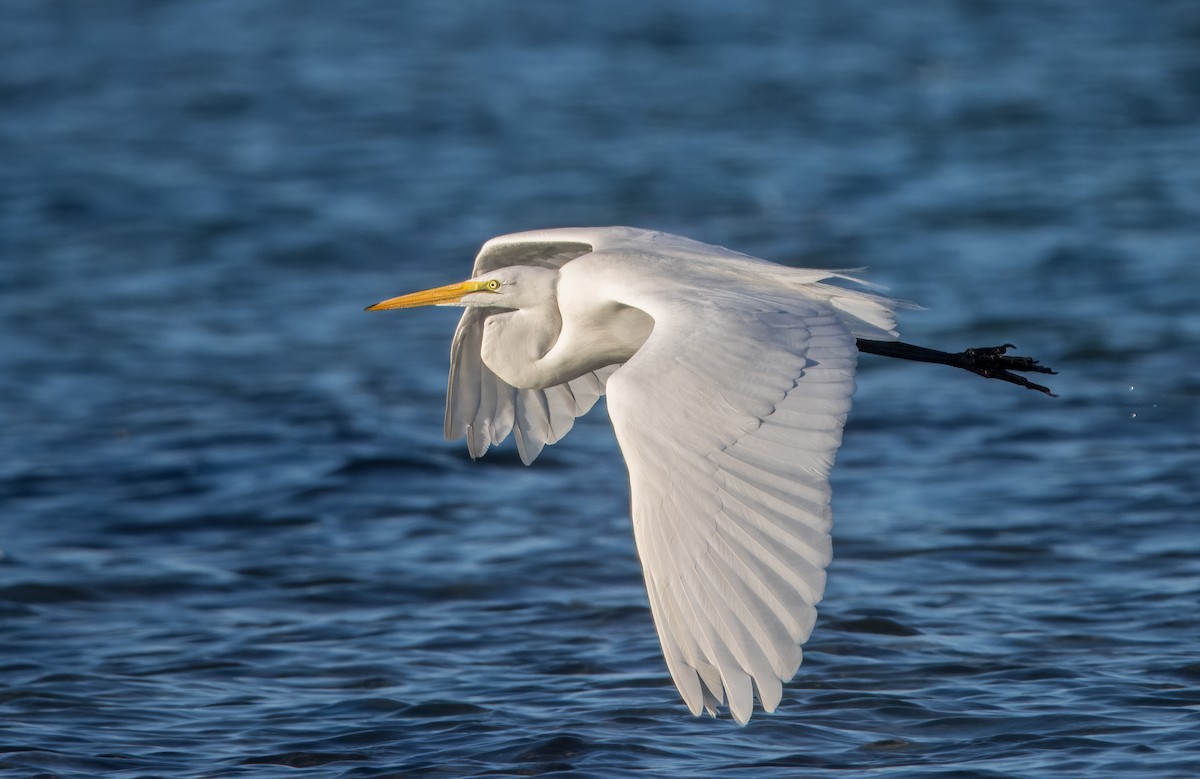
(492, 286)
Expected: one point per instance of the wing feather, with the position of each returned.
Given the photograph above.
(750, 627)
(683, 672)
(729, 418)
(532, 426)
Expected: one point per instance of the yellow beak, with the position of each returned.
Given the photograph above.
(438, 296)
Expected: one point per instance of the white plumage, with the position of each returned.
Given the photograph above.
(728, 380)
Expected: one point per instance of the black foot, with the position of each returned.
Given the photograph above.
(991, 362)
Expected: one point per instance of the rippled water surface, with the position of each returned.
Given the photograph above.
(234, 543)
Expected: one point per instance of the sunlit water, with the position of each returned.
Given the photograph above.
(234, 543)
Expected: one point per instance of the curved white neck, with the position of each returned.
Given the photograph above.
(534, 345)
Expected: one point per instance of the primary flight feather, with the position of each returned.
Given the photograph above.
(728, 381)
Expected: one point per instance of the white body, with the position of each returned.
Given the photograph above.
(728, 380)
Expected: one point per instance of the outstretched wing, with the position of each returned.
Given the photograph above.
(729, 417)
(485, 408)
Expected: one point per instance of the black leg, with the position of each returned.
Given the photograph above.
(990, 362)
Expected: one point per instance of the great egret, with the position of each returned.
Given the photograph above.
(728, 381)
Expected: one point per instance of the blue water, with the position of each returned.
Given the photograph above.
(235, 545)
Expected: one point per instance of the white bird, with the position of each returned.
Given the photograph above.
(728, 381)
